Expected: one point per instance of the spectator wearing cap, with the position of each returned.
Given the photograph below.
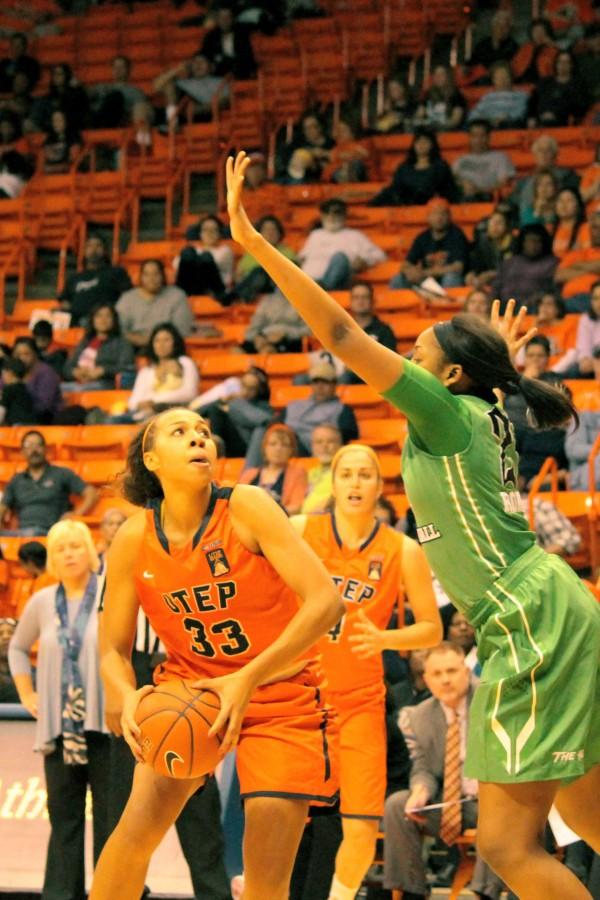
(40, 495)
(440, 252)
(545, 155)
(322, 406)
(18, 61)
(421, 176)
(531, 269)
(16, 403)
(98, 282)
(362, 310)
(48, 352)
(277, 474)
(228, 46)
(275, 327)
(482, 171)
(333, 251)
(42, 382)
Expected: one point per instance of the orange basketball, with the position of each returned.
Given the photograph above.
(174, 720)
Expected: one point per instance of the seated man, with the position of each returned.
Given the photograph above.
(326, 440)
(482, 171)
(440, 252)
(445, 713)
(41, 495)
(333, 252)
(98, 282)
(502, 107)
(193, 79)
(362, 310)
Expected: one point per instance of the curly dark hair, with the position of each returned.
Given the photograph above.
(178, 342)
(138, 484)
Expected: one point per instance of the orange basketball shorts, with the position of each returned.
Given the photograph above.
(363, 749)
(288, 744)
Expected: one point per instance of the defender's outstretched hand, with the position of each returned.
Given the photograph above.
(509, 326)
(242, 229)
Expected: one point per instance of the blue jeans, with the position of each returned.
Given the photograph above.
(338, 274)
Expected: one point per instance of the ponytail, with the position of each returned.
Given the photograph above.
(483, 355)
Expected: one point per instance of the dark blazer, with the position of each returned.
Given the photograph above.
(241, 65)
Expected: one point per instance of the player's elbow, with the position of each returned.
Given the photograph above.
(434, 634)
(332, 609)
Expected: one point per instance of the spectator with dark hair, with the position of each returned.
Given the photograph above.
(385, 512)
(325, 441)
(570, 216)
(228, 46)
(48, 352)
(580, 268)
(65, 94)
(41, 494)
(560, 330)
(543, 208)
(251, 279)
(18, 61)
(314, 139)
(101, 354)
(33, 557)
(500, 46)
(151, 303)
(207, 267)
(482, 171)
(459, 631)
(42, 381)
(169, 379)
(422, 175)
(530, 270)
(490, 248)
(15, 171)
(588, 334)
(399, 107)
(283, 479)
(443, 107)
(193, 79)
(348, 157)
(504, 106)
(545, 154)
(440, 252)
(21, 102)
(63, 142)
(332, 252)
(16, 403)
(98, 282)
(275, 327)
(113, 102)
(362, 310)
(560, 99)
(535, 58)
(303, 168)
(235, 417)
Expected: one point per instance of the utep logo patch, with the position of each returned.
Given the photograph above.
(375, 570)
(218, 562)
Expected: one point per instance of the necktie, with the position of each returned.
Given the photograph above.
(451, 823)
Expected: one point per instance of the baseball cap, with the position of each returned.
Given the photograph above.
(323, 371)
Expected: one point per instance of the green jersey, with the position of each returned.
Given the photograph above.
(460, 468)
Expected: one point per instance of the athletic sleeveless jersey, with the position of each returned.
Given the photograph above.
(368, 578)
(214, 604)
(466, 505)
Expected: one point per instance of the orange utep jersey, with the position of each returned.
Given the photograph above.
(214, 604)
(368, 578)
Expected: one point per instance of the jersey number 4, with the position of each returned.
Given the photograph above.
(235, 641)
(335, 633)
(503, 432)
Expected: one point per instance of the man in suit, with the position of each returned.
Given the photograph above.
(227, 46)
(435, 732)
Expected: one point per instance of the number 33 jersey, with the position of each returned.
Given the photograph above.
(214, 604)
(369, 579)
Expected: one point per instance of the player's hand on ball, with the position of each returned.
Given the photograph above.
(368, 640)
(234, 692)
(241, 227)
(129, 727)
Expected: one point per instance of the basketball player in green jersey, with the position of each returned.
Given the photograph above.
(535, 719)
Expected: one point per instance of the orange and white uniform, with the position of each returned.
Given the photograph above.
(215, 606)
(369, 578)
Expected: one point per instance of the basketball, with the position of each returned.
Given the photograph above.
(174, 720)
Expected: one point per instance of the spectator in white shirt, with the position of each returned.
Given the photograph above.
(333, 252)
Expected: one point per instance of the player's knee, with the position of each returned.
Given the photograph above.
(500, 850)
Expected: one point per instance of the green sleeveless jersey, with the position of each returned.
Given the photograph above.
(460, 468)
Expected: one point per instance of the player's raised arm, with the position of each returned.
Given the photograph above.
(335, 329)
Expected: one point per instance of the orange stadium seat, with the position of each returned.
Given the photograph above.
(383, 434)
(229, 470)
(101, 472)
(99, 442)
(105, 400)
(7, 470)
(364, 400)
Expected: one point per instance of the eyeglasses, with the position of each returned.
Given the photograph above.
(321, 381)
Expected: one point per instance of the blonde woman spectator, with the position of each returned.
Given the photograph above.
(67, 702)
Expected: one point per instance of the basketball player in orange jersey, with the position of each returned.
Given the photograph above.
(238, 599)
(372, 566)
